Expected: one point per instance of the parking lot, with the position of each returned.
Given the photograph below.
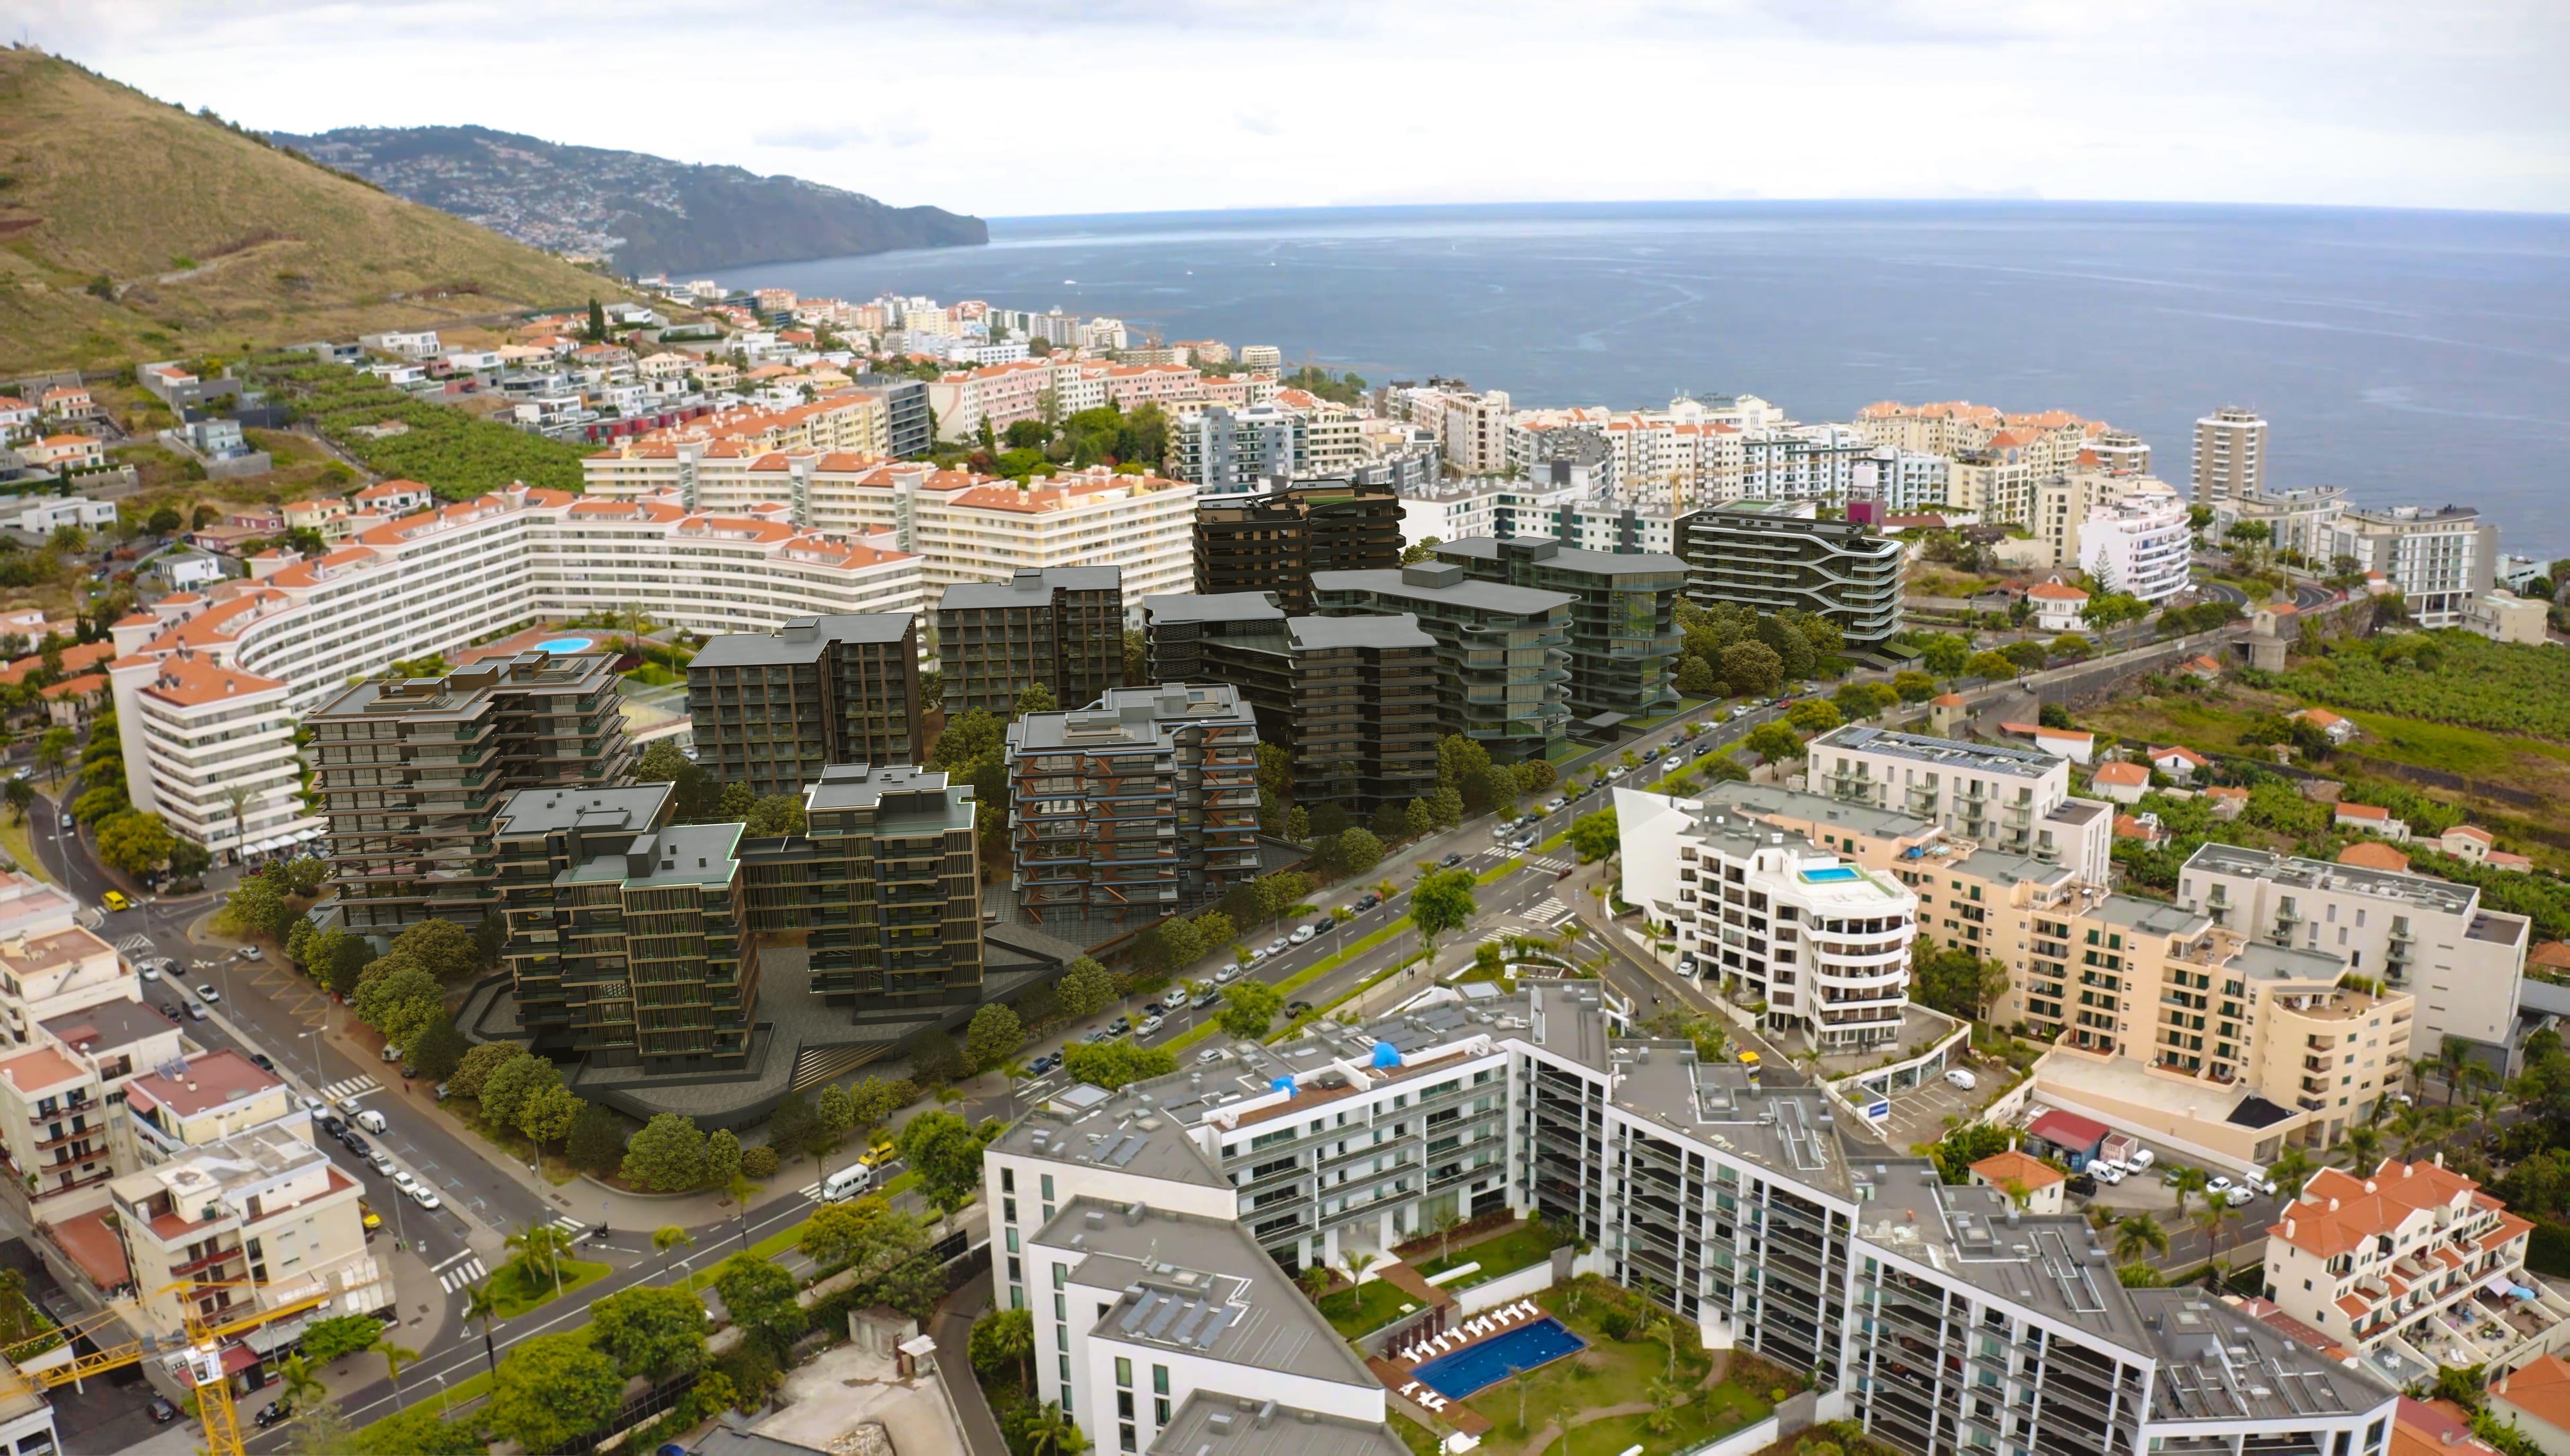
(1919, 1116)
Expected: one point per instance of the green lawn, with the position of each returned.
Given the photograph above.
(20, 846)
(1504, 1254)
(1499, 871)
(1554, 842)
(521, 1288)
(1365, 1309)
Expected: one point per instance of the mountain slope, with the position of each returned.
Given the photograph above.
(649, 213)
(131, 229)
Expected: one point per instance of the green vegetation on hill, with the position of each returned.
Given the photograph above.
(131, 229)
(457, 455)
(2445, 677)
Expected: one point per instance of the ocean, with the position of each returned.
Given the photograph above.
(2412, 357)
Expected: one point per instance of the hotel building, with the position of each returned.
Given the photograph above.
(1773, 557)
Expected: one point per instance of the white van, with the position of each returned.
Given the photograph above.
(1960, 1078)
(847, 1183)
(371, 1120)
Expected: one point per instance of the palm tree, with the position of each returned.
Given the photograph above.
(541, 1247)
(2138, 1236)
(2291, 1170)
(2409, 1125)
(2187, 1182)
(482, 1305)
(1358, 1264)
(667, 1238)
(1666, 1331)
(2452, 1058)
(302, 1383)
(237, 796)
(1315, 1281)
(394, 1359)
(1666, 1397)
(2363, 1149)
(1051, 1433)
(2211, 1219)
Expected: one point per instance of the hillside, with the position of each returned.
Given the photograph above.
(131, 229)
(649, 213)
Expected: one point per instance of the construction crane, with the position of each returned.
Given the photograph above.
(203, 1354)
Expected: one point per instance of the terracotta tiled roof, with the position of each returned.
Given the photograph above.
(2374, 855)
(2338, 1211)
(2540, 1388)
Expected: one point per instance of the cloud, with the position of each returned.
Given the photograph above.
(829, 137)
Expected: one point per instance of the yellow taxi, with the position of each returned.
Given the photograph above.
(367, 1215)
(114, 899)
(879, 1152)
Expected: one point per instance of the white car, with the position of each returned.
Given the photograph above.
(351, 1106)
(1230, 974)
(1256, 957)
(1210, 1055)
(404, 1182)
(1277, 945)
(1556, 804)
(1301, 934)
(150, 973)
(207, 994)
(423, 1195)
(2238, 1196)
(1148, 1025)
(2106, 1173)
(2140, 1158)
(1962, 1079)
(2217, 1184)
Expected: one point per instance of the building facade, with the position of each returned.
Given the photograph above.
(1771, 557)
(1624, 638)
(772, 710)
(2230, 455)
(1061, 626)
(1227, 451)
(2438, 559)
(2013, 799)
(1503, 652)
(1275, 541)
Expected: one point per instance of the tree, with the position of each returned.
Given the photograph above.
(1990, 665)
(2140, 1236)
(1955, 1154)
(339, 1337)
(506, 1090)
(1595, 836)
(1357, 851)
(967, 740)
(1003, 1338)
(349, 957)
(834, 1113)
(401, 1003)
(992, 1037)
(443, 948)
(436, 1049)
(1773, 743)
(1035, 697)
(667, 1156)
(135, 843)
(54, 750)
(946, 1153)
(1752, 669)
(1813, 716)
(1861, 700)
(1957, 982)
(2027, 655)
(872, 1101)
(1442, 901)
(1697, 679)
(1248, 1006)
(791, 1125)
(482, 1304)
(1943, 653)
(760, 1297)
(418, 1430)
(777, 813)
(935, 1059)
(595, 1143)
(548, 1114)
(478, 1064)
(650, 1330)
(597, 323)
(1085, 990)
(22, 796)
(2188, 1183)
(662, 763)
(1114, 1065)
(1913, 686)
(1048, 1432)
(553, 1389)
(541, 1248)
(868, 1235)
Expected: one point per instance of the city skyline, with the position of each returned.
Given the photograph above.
(1354, 105)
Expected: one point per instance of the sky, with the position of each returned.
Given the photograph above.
(1014, 108)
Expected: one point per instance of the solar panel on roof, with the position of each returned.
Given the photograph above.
(1214, 1327)
(1165, 1315)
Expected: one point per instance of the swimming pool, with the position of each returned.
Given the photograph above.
(1832, 874)
(567, 645)
(1494, 1359)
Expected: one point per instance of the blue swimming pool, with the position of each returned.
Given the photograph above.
(1494, 1359)
(567, 645)
(1832, 874)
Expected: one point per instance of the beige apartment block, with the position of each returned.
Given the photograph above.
(263, 1206)
(2230, 455)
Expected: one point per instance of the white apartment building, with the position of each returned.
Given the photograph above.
(2437, 560)
(2297, 521)
(1333, 436)
(2014, 800)
(1901, 482)
(1474, 428)
(205, 729)
(1821, 939)
(2139, 543)
(1801, 462)
(2230, 455)
(1746, 1211)
(1450, 510)
(2432, 938)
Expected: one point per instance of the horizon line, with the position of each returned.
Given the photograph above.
(1677, 203)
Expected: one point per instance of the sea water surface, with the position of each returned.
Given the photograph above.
(2412, 357)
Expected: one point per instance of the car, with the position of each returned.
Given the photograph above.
(390, 1053)
(1500, 830)
(404, 1182)
(1556, 804)
(269, 1414)
(2140, 1158)
(195, 1011)
(2217, 1184)
(1301, 934)
(879, 1152)
(2169, 1179)
(351, 1106)
(371, 1120)
(262, 1061)
(2082, 1185)
(1277, 945)
(332, 1123)
(1296, 1008)
(148, 972)
(1098, 1036)
(2266, 1186)
(163, 1412)
(1121, 1026)
(206, 993)
(438, 1091)
(1255, 956)
(1617, 772)
(1148, 1025)
(382, 1163)
(1042, 1064)
(68, 824)
(165, 1010)
(2106, 1173)
(1650, 755)
(357, 1147)
(116, 900)
(1450, 862)
(2234, 1196)
(423, 1195)
(1522, 842)
(1210, 1055)
(1154, 1008)
(1366, 901)
(249, 953)
(1209, 997)
(409, 1071)
(1960, 1078)
(1230, 974)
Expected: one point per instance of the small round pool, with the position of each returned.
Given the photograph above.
(565, 644)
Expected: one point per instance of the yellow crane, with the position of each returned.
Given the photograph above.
(204, 1358)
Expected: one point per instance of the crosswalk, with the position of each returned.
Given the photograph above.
(1548, 911)
(811, 1192)
(468, 1271)
(1546, 862)
(569, 1224)
(138, 947)
(348, 1087)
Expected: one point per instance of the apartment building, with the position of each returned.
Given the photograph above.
(1352, 700)
(1744, 1211)
(1275, 541)
(909, 427)
(1061, 626)
(1224, 452)
(50, 965)
(1623, 637)
(260, 1220)
(2415, 933)
(1771, 557)
(1444, 510)
(208, 728)
(411, 773)
(627, 933)
(2413, 1259)
(54, 1133)
(190, 1100)
(1821, 941)
(1332, 435)
(2013, 799)
(1146, 800)
(1898, 482)
(1474, 431)
(2439, 559)
(2230, 455)
(2140, 543)
(2297, 521)
(1503, 652)
(2504, 616)
(771, 711)
(1801, 462)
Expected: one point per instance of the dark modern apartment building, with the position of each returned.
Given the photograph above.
(1134, 808)
(1503, 651)
(1063, 626)
(1275, 541)
(635, 943)
(1353, 699)
(411, 771)
(909, 422)
(1774, 554)
(1624, 638)
(773, 709)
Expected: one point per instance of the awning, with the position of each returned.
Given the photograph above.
(2498, 1285)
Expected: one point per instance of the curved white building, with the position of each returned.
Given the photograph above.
(2139, 543)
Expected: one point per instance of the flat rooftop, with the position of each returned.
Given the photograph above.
(802, 639)
(1214, 1425)
(1564, 557)
(2216, 1363)
(108, 1024)
(2444, 896)
(2150, 917)
(1032, 588)
(1794, 804)
(1447, 588)
(1946, 753)
(1384, 630)
(1220, 607)
(202, 1083)
(531, 812)
(866, 786)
